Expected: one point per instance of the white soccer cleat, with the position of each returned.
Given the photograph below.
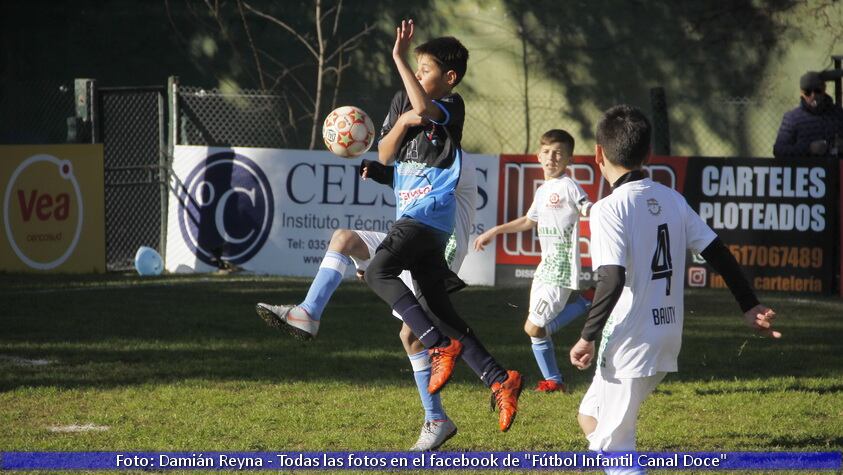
(434, 434)
(289, 318)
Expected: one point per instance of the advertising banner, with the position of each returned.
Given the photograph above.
(776, 216)
(273, 211)
(53, 208)
(518, 254)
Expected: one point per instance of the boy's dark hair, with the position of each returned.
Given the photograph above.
(448, 52)
(624, 134)
(558, 136)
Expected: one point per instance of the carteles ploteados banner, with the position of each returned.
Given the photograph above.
(273, 211)
(776, 216)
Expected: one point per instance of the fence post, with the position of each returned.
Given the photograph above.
(173, 103)
(166, 163)
(838, 90)
(82, 128)
(661, 127)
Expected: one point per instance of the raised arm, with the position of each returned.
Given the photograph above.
(422, 104)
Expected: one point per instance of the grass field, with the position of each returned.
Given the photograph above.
(184, 364)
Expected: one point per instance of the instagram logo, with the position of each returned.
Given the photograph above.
(696, 276)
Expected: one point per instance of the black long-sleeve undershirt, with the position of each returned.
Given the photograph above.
(377, 171)
(725, 264)
(611, 280)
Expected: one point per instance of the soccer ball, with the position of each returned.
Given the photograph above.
(348, 131)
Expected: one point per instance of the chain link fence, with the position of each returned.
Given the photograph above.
(133, 130)
(710, 127)
(725, 126)
(249, 118)
(35, 112)
(132, 124)
(513, 125)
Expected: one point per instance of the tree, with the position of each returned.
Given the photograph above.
(301, 75)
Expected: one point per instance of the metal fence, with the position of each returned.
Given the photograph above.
(133, 124)
(133, 134)
(35, 112)
(697, 126)
(725, 126)
(705, 127)
(249, 118)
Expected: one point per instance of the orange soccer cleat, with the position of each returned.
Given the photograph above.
(505, 397)
(550, 386)
(443, 359)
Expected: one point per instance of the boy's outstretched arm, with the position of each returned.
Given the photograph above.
(516, 225)
(757, 316)
(422, 104)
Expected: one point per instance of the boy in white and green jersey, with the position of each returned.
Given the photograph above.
(557, 206)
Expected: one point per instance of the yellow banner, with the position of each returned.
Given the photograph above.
(53, 208)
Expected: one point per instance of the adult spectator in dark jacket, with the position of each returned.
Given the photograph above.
(813, 128)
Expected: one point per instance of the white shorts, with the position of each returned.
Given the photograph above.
(373, 239)
(546, 301)
(615, 404)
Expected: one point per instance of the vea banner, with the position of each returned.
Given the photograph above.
(53, 210)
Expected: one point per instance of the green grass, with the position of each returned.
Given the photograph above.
(183, 364)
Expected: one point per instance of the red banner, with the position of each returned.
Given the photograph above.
(521, 175)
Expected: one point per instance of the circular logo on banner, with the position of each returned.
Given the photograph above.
(42, 211)
(225, 209)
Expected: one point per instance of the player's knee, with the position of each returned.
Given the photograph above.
(407, 337)
(369, 276)
(587, 423)
(342, 241)
(534, 330)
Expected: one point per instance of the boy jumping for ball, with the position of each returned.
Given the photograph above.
(347, 245)
(422, 137)
(556, 208)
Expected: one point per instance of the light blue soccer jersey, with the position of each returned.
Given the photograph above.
(428, 163)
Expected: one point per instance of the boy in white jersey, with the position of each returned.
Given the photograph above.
(556, 208)
(639, 237)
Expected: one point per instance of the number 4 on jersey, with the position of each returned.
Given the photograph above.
(662, 265)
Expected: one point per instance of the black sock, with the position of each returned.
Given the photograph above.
(478, 359)
(415, 317)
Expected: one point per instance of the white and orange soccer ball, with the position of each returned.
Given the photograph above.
(348, 131)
